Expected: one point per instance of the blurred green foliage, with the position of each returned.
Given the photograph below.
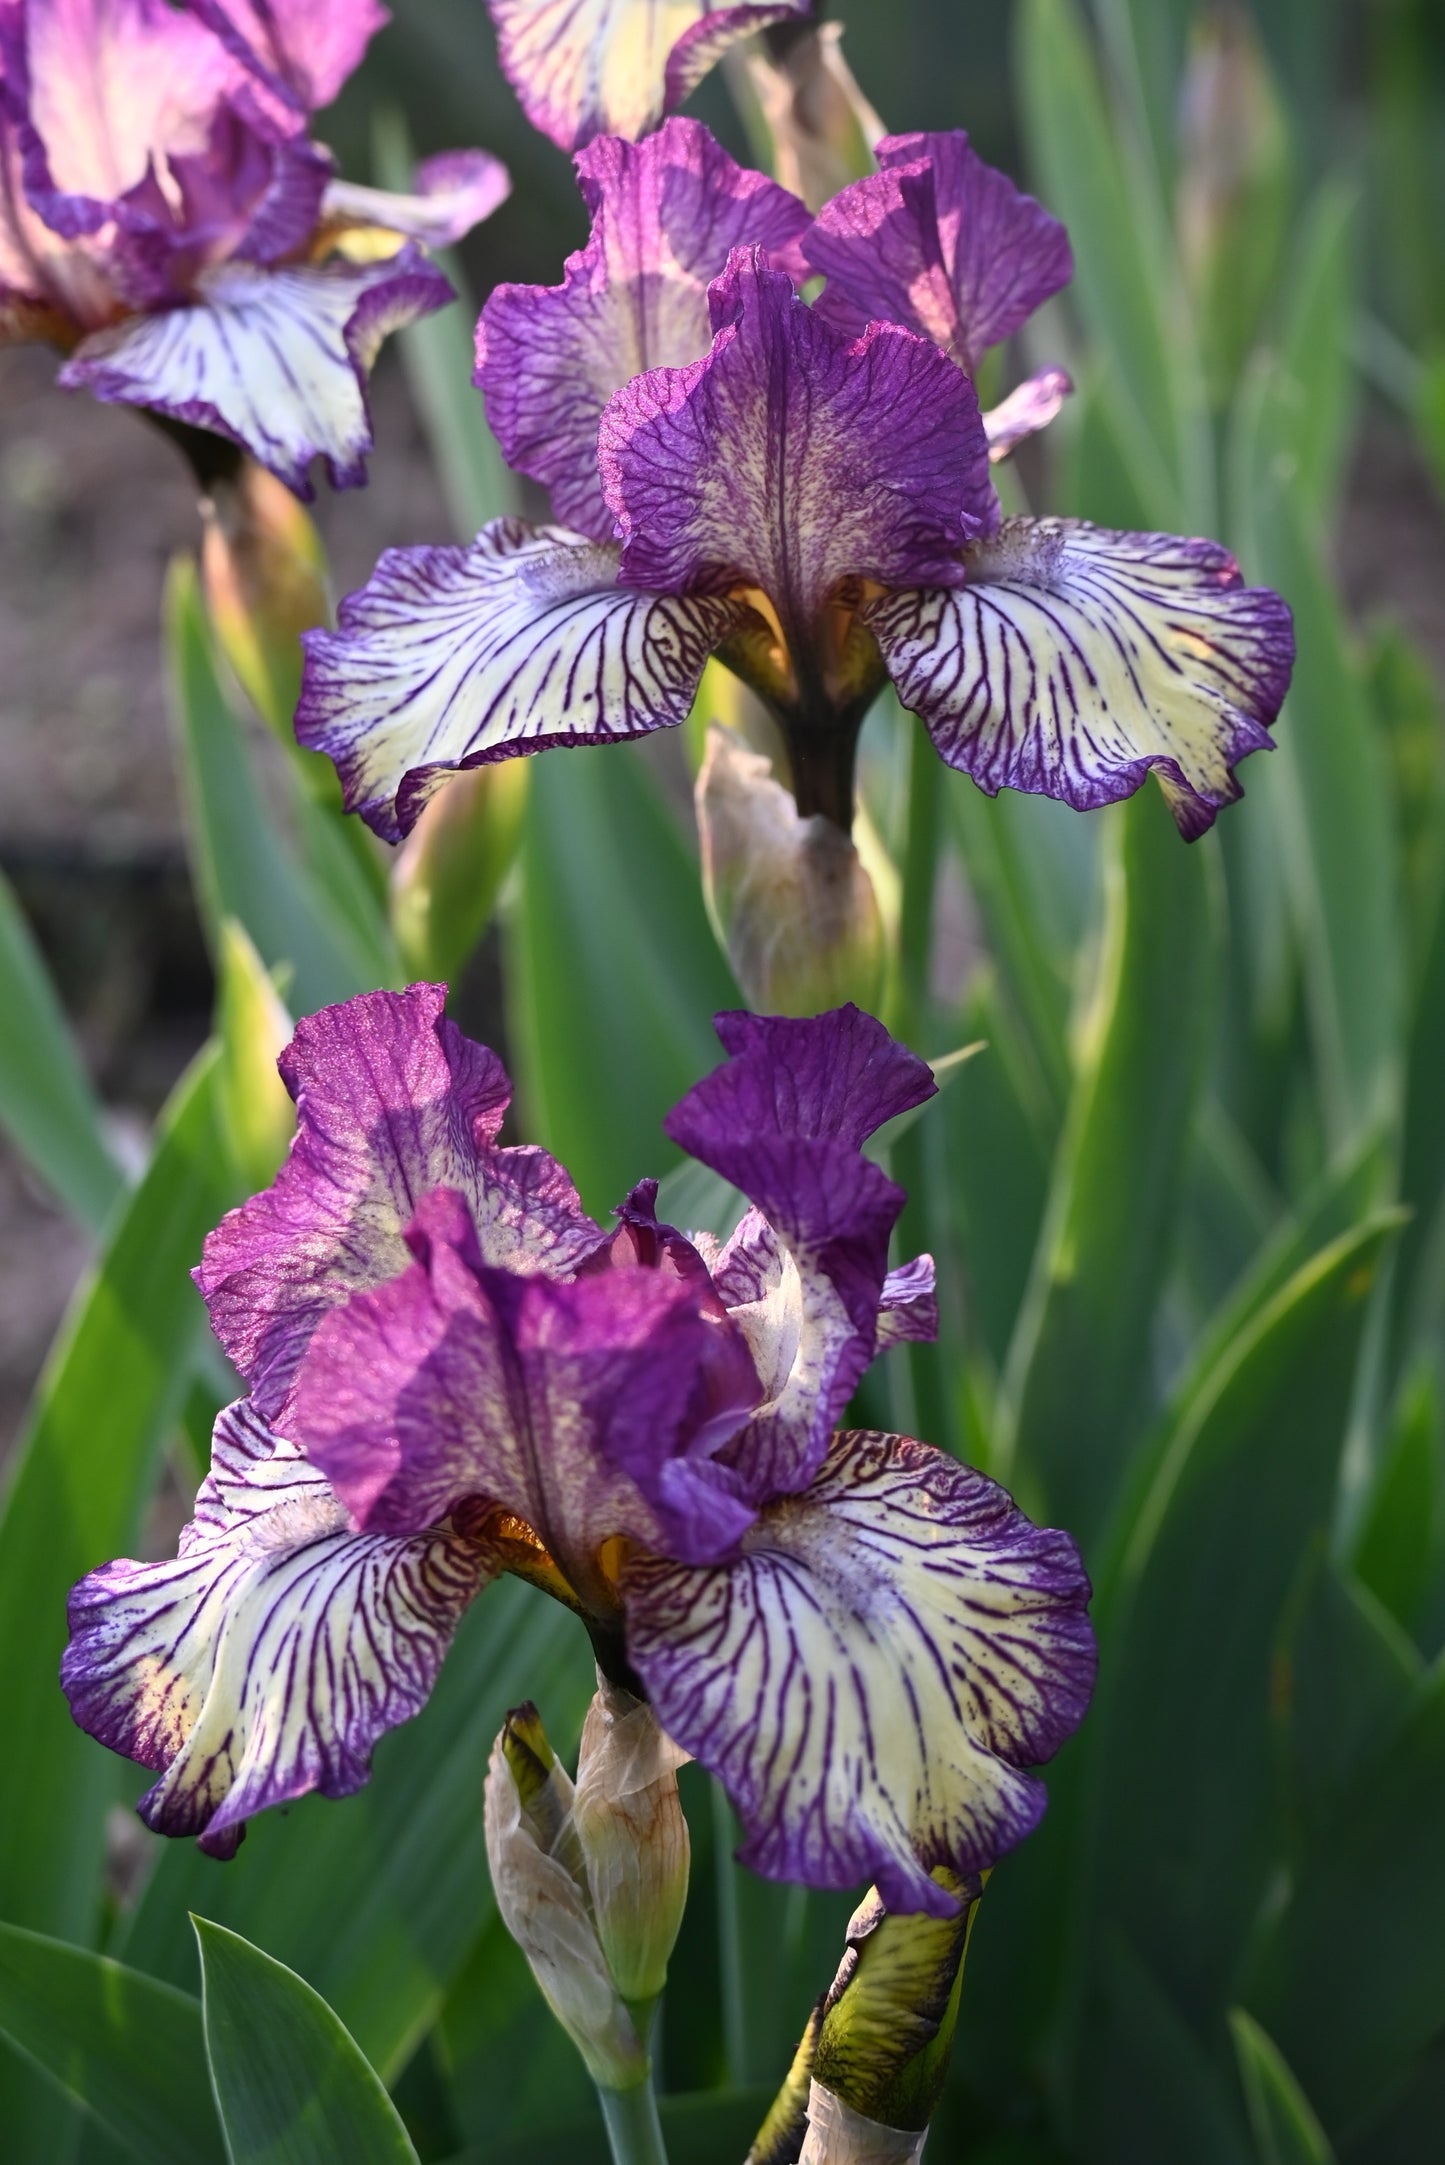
(1188, 1210)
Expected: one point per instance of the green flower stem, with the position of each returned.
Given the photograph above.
(633, 2128)
(920, 875)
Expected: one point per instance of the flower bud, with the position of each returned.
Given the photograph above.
(1234, 186)
(822, 127)
(629, 1823)
(264, 572)
(258, 1118)
(790, 900)
(544, 1904)
(450, 870)
(875, 2054)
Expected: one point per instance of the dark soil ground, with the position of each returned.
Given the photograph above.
(92, 506)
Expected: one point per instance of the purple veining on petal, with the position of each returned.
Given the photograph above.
(450, 194)
(267, 1658)
(908, 1305)
(790, 459)
(1077, 660)
(583, 68)
(391, 1102)
(275, 359)
(452, 657)
(302, 51)
(591, 1409)
(941, 242)
(666, 213)
(873, 1677)
(804, 1274)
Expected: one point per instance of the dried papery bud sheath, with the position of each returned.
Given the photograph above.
(264, 572)
(451, 868)
(837, 2135)
(544, 1906)
(822, 127)
(790, 900)
(628, 1821)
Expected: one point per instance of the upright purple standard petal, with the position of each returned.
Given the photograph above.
(790, 460)
(873, 1677)
(591, 1410)
(666, 213)
(939, 241)
(614, 67)
(1076, 660)
(391, 1102)
(804, 1276)
(452, 657)
(267, 1658)
(275, 359)
(302, 51)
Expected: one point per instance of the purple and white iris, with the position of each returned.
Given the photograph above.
(804, 491)
(166, 221)
(454, 1372)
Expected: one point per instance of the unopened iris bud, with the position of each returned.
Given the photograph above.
(1234, 185)
(875, 2054)
(822, 127)
(790, 899)
(450, 870)
(544, 1903)
(264, 571)
(629, 1822)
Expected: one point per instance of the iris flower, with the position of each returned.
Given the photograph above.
(166, 221)
(454, 1372)
(804, 491)
(614, 67)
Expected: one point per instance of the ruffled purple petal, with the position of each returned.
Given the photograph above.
(789, 459)
(940, 242)
(452, 657)
(451, 193)
(613, 67)
(803, 1277)
(591, 1409)
(301, 51)
(908, 1305)
(1031, 406)
(666, 213)
(874, 1675)
(267, 1658)
(276, 359)
(391, 1102)
(1076, 660)
(105, 87)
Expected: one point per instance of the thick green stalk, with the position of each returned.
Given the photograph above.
(634, 2131)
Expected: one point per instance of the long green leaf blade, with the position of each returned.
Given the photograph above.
(130, 2051)
(292, 2085)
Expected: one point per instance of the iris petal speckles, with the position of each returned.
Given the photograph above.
(1075, 660)
(613, 67)
(268, 1657)
(164, 218)
(873, 1676)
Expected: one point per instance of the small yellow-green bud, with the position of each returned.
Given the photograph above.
(629, 1822)
(263, 569)
(790, 900)
(254, 1029)
(452, 866)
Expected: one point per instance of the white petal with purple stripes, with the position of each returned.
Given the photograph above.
(267, 1658)
(275, 358)
(454, 656)
(872, 1677)
(1076, 659)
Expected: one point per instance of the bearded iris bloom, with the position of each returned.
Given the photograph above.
(804, 491)
(454, 1372)
(166, 221)
(584, 68)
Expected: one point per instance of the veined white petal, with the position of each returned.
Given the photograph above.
(1076, 659)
